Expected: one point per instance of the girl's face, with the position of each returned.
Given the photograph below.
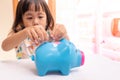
(32, 17)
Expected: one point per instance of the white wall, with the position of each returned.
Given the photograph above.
(65, 14)
(6, 20)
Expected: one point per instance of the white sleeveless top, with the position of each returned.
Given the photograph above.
(26, 49)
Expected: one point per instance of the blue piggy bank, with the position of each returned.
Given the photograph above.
(57, 56)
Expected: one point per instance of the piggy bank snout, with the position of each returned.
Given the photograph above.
(82, 58)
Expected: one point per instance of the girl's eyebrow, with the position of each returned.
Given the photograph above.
(42, 13)
(28, 14)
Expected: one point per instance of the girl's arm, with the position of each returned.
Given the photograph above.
(36, 33)
(13, 40)
(59, 32)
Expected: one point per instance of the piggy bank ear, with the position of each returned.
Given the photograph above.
(62, 44)
(63, 48)
(72, 46)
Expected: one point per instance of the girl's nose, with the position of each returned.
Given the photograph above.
(36, 22)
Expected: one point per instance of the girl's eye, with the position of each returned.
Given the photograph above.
(40, 17)
(29, 18)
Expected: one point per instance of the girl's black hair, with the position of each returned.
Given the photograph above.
(24, 5)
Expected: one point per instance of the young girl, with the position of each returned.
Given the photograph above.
(33, 26)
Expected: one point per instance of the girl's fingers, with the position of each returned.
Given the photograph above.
(35, 36)
(41, 33)
(30, 36)
(55, 32)
(44, 33)
(58, 35)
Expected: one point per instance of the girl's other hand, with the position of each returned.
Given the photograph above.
(37, 34)
(59, 32)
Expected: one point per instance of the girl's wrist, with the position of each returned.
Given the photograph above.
(25, 33)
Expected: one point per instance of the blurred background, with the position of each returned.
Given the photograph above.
(93, 25)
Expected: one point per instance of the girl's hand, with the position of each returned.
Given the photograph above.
(59, 32)
(37, 34)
